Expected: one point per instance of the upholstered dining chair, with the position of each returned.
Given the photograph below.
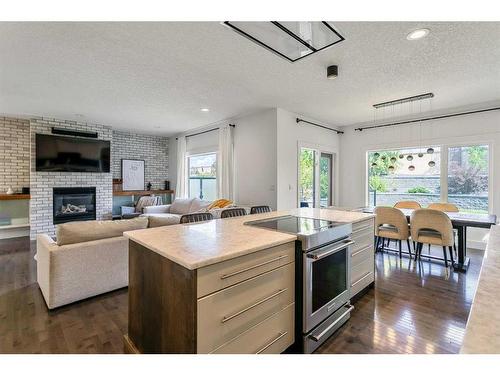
(445, 207)
(233, 212)
(432, 227)
(408, 204)
(196, 217)
(259, 209)
(391, 224)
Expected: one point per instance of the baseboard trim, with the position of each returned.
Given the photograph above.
(478, 245)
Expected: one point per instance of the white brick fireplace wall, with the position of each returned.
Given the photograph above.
(42, 183)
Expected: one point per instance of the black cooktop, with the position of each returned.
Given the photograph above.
(295, 224)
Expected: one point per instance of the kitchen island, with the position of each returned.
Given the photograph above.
(223, 286)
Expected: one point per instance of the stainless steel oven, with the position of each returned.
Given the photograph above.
(322, 271)
(326, 281)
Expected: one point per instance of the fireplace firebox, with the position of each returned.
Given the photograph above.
(74, 204)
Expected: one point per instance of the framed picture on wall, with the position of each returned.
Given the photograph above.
(133, 174)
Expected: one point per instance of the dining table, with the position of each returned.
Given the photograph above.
(460, 221)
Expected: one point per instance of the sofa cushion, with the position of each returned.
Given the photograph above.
(84, 231)
(181, 206)
(160, 220)
(199, 205)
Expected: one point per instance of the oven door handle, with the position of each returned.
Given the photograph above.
(318, 256)
(318, 337)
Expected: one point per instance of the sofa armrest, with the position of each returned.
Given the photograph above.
(44, 246)
(162, 209)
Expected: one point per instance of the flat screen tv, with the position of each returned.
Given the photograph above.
(72, 154)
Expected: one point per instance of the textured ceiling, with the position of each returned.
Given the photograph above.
(155, 77)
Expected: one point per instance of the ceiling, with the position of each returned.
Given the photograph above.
(155, 77)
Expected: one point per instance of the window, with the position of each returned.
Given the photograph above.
(202, 174)
(468, 178)
(315, 178)
(412, 177)
(454, 174)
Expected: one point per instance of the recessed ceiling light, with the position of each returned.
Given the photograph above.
(417, 34)
(205, 110)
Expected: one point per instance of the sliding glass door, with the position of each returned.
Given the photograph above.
(315, 185)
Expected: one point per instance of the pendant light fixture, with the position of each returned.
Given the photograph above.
(430, 150)
(432, 163)
(393, 159)
(411, 168)
(409, 157)
(391, 168)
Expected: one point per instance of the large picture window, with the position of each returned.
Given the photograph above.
(412, 177)
(457, 175)
(202, 172)
(468, 178)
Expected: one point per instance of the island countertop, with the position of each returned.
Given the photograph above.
(197, 245)
(482, 335)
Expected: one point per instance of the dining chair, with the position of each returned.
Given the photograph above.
(391, 224)
(432, 227)
(445, 207)
(408, 204)
(233, 212)
(259, 209)
(196, 217)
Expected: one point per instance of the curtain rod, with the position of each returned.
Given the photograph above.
(428, 118)
(206, 131)
(321, 126)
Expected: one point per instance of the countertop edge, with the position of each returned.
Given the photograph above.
(208, 262)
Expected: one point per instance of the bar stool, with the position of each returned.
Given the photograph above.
(259, 209)
(233, 212)
(196, 217)
(391, 223)
(408, 204)
(432, 227)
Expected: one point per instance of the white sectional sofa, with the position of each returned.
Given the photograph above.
(88, 258)
(169, 214)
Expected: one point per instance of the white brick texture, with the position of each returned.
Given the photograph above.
(14, 154)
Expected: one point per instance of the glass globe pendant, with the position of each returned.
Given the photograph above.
(420, 154)
(409, 158)
(432, 163)
(374, 164)
(383, 157)
(376, 155)
(393, 159)
(391, 168)
(430, 150)
(411, 168)
(401, 156)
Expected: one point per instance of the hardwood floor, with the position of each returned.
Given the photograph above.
(414, 308)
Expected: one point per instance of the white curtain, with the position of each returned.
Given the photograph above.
(225, 164)
(181, 189)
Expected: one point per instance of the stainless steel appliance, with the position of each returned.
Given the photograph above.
(322, 276)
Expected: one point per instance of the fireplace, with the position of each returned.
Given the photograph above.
(74, 204)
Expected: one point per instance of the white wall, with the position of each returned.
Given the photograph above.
(255, 159)
(483, 127)
(254, 156)
(292, 135)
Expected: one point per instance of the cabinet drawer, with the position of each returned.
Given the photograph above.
(272, 336)
(222, 275)
(361, 270)
(362, 239)
(363, 225)
(359, 256)
(362, 283)
(229, 312)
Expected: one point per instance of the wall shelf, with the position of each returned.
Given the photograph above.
(13, 197)
(142, 192)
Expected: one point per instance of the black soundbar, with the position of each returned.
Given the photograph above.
(74, 133)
